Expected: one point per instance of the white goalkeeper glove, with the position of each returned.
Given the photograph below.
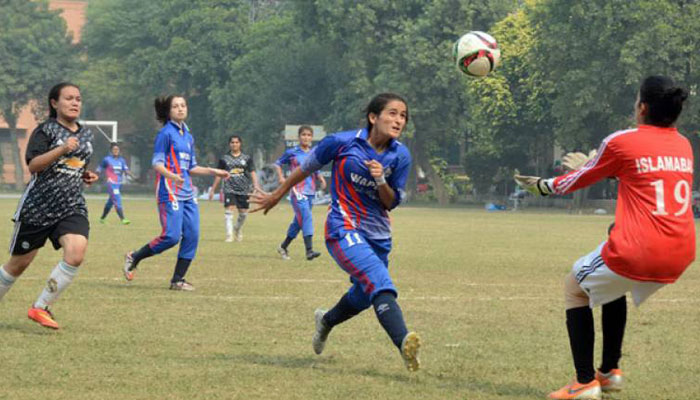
(535, 184)
(576, 161)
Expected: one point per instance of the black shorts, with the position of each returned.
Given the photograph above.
(238, 200)
(29, 237)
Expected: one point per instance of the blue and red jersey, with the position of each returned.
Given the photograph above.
(174, 149)
(114, 168)
(355, 203)
(294, 157)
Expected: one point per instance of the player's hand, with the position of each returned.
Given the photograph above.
(534, 185)
(323, 184)
(71, 144)
(211, 195)
(221, 173)
(89, 177)
(178, 179)
(281, 181)
(375, 168)
(576, 161)
(265, 201)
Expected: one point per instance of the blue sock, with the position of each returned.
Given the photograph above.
(390, 316)
(341, 312)
(180, 270)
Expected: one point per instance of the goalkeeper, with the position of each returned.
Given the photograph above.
(652, 241)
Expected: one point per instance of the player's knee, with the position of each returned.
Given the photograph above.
(574, 296)
(169, 241)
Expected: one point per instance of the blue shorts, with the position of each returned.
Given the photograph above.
(115, 195)
(180, 223)
(367, 262)
(302, 205)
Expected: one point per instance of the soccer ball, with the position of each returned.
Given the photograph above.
(476, 54)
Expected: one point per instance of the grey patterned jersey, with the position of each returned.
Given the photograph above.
(240, 168)
(57, 191)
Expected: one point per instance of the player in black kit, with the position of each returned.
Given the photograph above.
(237, 188)
(52, 205)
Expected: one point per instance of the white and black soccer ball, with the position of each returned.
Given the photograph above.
(476, 54)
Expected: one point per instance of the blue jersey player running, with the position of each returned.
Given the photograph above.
(302, 195)
(369, 172)
(114, 168)
(174, 162)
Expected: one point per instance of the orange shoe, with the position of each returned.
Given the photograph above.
(575, 390)
(610, 382)
(42, 316)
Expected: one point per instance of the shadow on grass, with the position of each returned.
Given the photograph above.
(26, 328)
(424, 377)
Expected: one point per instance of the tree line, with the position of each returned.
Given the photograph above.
(568, 77)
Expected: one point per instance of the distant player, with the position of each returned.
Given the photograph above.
(115, 168)
(651, 242)
(52, 206)
(370, 168)
(174, 162)
(302, 195)
(237, 188)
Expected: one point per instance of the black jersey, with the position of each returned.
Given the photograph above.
(57, 191)
(240, 168)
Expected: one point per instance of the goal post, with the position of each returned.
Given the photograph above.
(112, 137)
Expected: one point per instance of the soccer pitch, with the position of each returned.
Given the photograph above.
(484, 290)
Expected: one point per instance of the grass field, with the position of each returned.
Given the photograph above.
(482, 289)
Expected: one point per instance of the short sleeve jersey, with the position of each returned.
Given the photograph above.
(114, 168)
(174, 149)
(57, 191)
(240, 168)
(654, 234)
(355, 203)
(293, 158)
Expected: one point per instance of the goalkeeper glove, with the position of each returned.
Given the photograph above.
(576, 161)
(535, 184)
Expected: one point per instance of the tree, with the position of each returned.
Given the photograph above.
(37, 53)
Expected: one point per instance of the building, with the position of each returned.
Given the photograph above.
(74, 12)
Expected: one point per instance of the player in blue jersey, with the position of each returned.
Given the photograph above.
(370, 168)
(302, 195)
(174, 162)
(114, 167)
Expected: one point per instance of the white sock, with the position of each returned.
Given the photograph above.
(229, 222)
(240, 221)
(61, 276)
(6, 281)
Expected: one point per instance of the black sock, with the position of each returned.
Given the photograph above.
(341, 312)
(180, 270)
(140, 254)
(106, 211)
(579, 323)
(286, 242)
(614, 321)
(120, 212)
(309, 243)
(390, 316)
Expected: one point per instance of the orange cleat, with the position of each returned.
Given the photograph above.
(610, 382)
(575, 390)
(42, 316)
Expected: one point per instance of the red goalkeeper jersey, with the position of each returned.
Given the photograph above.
(654, 234)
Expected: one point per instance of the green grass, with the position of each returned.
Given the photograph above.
(484, 290)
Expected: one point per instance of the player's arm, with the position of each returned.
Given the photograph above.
(605, 164)
(207, 171)
(39, 157)
(321, 180)
(322, 154)
(284, 159)
(266, 201)
(160, 149)
(254, 179)
(391, 191)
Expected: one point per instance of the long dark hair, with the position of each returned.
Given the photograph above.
(162, 105)
(664, 99)
(379, 102)
(55, 93)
